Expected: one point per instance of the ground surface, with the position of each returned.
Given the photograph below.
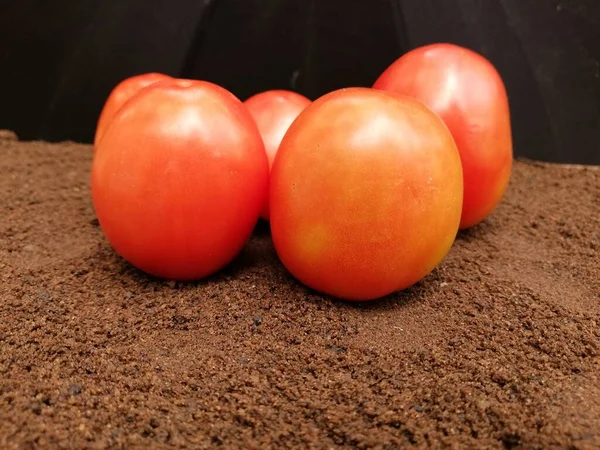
(498, 348)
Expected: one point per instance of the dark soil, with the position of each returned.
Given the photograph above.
(498, 348)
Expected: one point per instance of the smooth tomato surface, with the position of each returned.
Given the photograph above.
(274, 111)
(179, 179)
(366, 194)
(467, 92)
(120, 94)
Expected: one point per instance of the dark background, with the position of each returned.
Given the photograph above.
(59, 59)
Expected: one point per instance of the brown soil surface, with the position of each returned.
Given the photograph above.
(498, 348)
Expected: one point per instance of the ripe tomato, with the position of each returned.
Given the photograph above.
(365, 194)
(120, 94)
(179, 179)
(467, 92)
(274, 111)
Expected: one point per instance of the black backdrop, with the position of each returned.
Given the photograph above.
(59, 59)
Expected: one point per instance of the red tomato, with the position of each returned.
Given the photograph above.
(179, 179)
(365, 194)
(274, 112)
(120, 94)
(467, 92)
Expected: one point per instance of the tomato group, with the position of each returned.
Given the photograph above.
(120, 94)
(365, 188)
(467, 92)
(179, 179)
(366, 194)
(274, 111)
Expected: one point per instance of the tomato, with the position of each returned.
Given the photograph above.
(120, 94)
(467, 92)
(365, 194)
(179, 179)
(274, 111)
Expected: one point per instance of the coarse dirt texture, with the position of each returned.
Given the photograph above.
(498, 348)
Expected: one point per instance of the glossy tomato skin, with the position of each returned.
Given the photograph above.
(274, 111)
(179, 179)
(366, 194)
(467, 92)
(119, 96)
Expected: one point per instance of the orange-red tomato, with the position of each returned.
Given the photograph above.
(467, 92)
(179, 179)
(120, 94)
(274, 111)
(366, 194)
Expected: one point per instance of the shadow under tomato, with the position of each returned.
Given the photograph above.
(262, 228)
(475, 232)
(393, 301)
(258, 259)
(258, 252)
